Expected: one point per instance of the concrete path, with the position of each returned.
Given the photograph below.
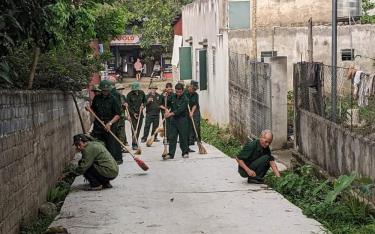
(202, 194)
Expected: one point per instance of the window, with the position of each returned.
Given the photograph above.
(201, 68)
(185, 63)
(239, 14)
(267, 54)
(347, 54)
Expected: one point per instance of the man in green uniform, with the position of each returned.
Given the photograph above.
(136, 101)
(121, 99)
(195, 113)
(178, 126)
(97, 165)
(167, 94)
(152, 113)
(107, 109)
(255, 159)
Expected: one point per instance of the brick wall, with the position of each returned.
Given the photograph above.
(36, 129)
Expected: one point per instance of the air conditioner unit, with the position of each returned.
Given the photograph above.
(346, 8)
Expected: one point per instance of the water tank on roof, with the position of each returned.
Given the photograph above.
(346, 8)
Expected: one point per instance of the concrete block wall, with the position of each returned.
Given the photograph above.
(36, 129)
(333, 148)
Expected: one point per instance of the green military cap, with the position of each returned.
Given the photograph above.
(105, 85)
(135, 86)
(194, 84)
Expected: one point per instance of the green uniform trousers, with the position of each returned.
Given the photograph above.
(178, 127)
(261, 165)
(134, 123)
(150, 119)
(110, 142)
(121, 134)
(197, 122)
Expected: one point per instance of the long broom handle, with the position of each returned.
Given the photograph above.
(192, 120)
(103, 124)
(165, 129)
(79, 113)
(131, 124)
(139, 118)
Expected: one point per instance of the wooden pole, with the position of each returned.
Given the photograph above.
(254, 51)
(310, 42)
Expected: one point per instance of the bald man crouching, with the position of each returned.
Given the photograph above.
(255, 159)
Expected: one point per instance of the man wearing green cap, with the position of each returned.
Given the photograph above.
(152, 112)
(195, 114)
(107, 109)
(178, 126)
(97, 165)
(165, 98)
(136, 99)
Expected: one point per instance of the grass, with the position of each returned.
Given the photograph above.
(221, 138)
(336, 205)
(57, 196)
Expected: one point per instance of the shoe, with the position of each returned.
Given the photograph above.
(119, 162)
(97, 188)
(157, 140)
(107, 185)
(166, 157)
(134, 147)
(191, 151)
(143, 140)
(254, 180)
(185, 155)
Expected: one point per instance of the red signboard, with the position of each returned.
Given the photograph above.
(125, 40)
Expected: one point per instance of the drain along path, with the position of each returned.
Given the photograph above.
(201, 194)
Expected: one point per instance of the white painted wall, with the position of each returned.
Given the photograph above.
(200, 21)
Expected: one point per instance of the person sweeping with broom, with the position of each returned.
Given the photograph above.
(106, 107)
(178, 126)
(136, 99)
(194, 114)
(152, 113)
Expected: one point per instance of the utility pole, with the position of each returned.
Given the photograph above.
(310, 42)
(253, 19)
(334, 62)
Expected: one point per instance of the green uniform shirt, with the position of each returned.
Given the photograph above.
(153, 108)
(95, 154)
(105, 107)
(162, 101)
(135, 101)
(178, 105)
(120, 99)
(251, 151)
(193, 100)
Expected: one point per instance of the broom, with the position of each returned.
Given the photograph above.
(165, 140)
(140, 162)
(201, 148)
(139, 151)
(151, 140)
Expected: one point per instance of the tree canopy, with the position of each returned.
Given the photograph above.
(43, 31)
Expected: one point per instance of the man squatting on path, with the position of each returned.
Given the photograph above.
(97, 165)
(255, 159)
